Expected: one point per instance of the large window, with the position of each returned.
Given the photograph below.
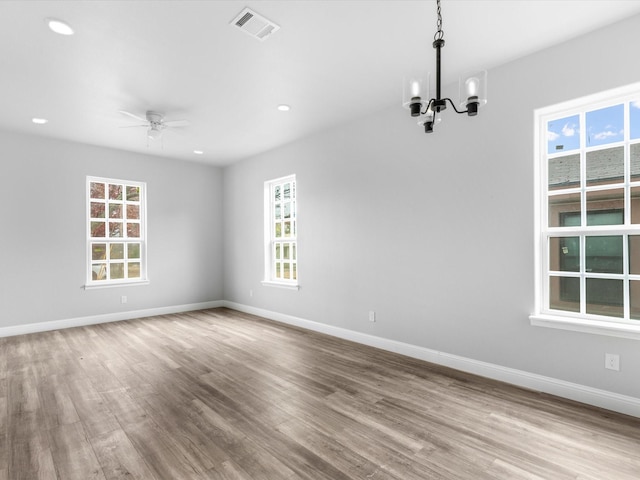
(588, 201)
(281, 246)
(116, 231)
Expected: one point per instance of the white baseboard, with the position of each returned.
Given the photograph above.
(105, 318)
(591, 396)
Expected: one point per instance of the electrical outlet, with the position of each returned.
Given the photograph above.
(612, 361)
(372, 316)
(123, 299)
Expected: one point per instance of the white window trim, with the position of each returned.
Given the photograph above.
(269, 280)
(542, 316)
(144, 279)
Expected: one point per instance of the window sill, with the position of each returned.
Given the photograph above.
(286, 286)
(596, 327)
(93, 286)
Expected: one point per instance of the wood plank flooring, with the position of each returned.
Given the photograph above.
(217, 394)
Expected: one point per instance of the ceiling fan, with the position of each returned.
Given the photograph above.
(154, 123)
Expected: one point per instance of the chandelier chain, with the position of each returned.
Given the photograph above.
(439, 35)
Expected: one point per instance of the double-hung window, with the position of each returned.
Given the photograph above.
(588, 214)
(116, 232)
(281, 246)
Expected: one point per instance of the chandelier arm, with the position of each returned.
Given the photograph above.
(428, 106)
(454, 106)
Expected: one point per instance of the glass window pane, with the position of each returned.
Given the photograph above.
(286, 268)
(564, 172)
(287, 210)
(605, 125)
(564, 210)
(97, 229)
(116, 251)
(133, 250)
(564, 293)
(98, 251)
(603, 254)
(287, 191)
(116, 271)
(115, 229)
(563, 134)
(278, 229)
(605, 297)
(605, 207)
(634, 297)
(285, 250)
(133, 212)
(295, 271)
(99, 271)
(97, 190)
(115, 192)
(115, 210)
(133, 230)
(605, 166)
(287, 229)
(276, 193)
(564, 254)
(278, 214)
(634, 117)
(133, 270)
(294, 251)
(97, 210)
(278, 270)
(635, 205)
(278, 257)
(133, 194)
(634, 255)
(635, 161)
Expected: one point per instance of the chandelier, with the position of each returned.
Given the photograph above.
(472, 88)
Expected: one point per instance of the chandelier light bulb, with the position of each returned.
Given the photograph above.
(472, 85)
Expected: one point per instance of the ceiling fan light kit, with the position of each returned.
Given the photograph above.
(472, 89)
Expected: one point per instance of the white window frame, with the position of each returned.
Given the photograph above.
(274, 243)
(543, 315)
(124, 239)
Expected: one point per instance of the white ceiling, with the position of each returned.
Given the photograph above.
(332, 61)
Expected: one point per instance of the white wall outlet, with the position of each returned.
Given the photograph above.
(123, 299)
(612, 361)
(372, 316)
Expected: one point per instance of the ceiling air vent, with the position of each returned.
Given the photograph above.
(254, 24)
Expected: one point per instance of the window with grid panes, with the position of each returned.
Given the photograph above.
(116, 231)
(589, 209)
(281, 255)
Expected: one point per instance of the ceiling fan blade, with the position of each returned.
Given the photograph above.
(129, 126)
(176, 123)
(123, 112)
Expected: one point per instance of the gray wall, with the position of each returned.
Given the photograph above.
(42, 241)
(434, 233)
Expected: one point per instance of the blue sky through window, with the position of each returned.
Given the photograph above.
(563, 134)
(634, 114)
(605, 125)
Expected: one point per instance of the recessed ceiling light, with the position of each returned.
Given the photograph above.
(198, 152)
(39, 121)
(58, 26)
(284, 108)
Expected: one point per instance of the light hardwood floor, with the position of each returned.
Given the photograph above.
(217, 394)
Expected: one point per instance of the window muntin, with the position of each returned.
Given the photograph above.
(116, 231)
(589, 222)
(281, 252)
